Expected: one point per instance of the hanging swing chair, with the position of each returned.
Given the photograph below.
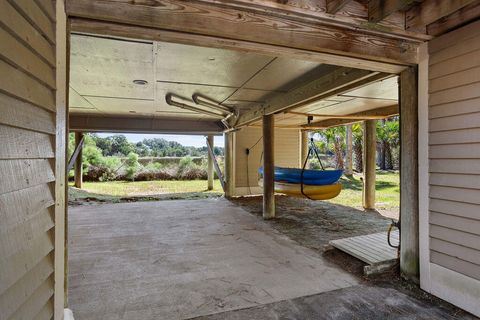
(312, 184)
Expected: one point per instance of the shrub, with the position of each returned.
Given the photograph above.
(132, 165)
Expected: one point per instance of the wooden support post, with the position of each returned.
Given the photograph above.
(210, 173)
(268, 167)
(409, 232)
(303, 147)
(78, 161)
(349, 155)
(229, 166)
(369, 163)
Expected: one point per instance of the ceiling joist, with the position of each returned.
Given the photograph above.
(231, 22)
(336, 82)
(380, 113)
(333, 6)
(380, 9)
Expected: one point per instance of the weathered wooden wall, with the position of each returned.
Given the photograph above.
(454, 166)
(287, 154)
(28, 167)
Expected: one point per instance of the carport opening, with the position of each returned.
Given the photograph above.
(133, 167)
(146, 87)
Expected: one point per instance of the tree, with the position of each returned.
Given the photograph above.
(357, 132)
(334, 138)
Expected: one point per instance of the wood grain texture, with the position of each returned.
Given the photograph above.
(47, 6)
(21, 236)
(453, 39)
(146, 33)
(380, 9)
(37, 301)
(25, 115)
(409, 214)
(221, 21)
(458, 18)
(19, 206)
(15, 296)
(15, 52)
(333, 6)
(34, 14)
(21, 174)
(21, 28)
(429, 11)
(28, 259)
(25, 144)
(25, 87)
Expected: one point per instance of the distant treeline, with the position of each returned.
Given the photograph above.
(118, 145)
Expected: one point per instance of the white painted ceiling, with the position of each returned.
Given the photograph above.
(102, 72)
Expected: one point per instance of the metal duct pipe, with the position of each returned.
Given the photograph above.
(207, 102)
(169, 99)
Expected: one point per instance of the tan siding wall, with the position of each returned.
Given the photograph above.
(454, 150)
(287, 153)
(27, 158)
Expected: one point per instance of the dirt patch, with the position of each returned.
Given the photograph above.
(314, 223)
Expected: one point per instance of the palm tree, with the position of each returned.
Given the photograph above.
(388, 135)
(357, 132)
(334, 138)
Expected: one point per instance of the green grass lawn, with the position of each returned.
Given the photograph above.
(148, 188)
(387, 190)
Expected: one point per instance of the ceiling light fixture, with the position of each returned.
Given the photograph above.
(140, 82)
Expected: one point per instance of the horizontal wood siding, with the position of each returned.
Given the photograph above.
(27, 158)
(286, 153)
(454, 150)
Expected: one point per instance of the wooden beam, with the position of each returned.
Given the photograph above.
(210, 162)
(429, 11)
(333, 116)
(229, 164)
(229, 22)
(268, 167)
(143, 125)
(369, 163)
(380, 9)
(79, 140)
(76, 152)
(336, 82)
(303, 147)
(409, 216)
(457, 19)
(151, 34)
(380, 113)
(333, 6)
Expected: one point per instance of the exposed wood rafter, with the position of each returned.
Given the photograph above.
(336, 82)
(380, 113)
(380, 9)
(333, 6)
(429, 11)
(226, 22)
(143, 125)
(459, 18)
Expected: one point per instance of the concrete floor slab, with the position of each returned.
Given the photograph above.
(358, 302)
(181, 259)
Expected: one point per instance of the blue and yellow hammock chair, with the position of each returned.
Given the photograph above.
(313, 184)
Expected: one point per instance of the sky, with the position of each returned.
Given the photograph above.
(188, 141)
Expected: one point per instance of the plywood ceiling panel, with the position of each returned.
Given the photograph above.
(106, 67)
(284, 74)
(385, 89)
(192, 64)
